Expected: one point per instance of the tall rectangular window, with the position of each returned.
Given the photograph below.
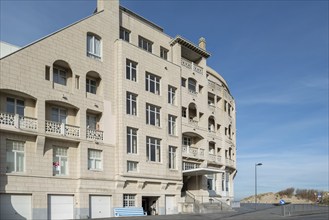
(91, 121)
(15, 156)
(77, 82)
(131, 70)
(172, 125)
(153, 149)
(152, 83)
(124, 34)
(94, 159)
(227, 181)
(145, 44)
(163, 53)
(172, 95)
(132, 166)
(93, 46)
(60, 161)
(129, 200)
(131, 140)
(15, 106)
(131, 104)
(187, 141)
(59, 76)
(91, 85)
(58, 115)
(172, 157)
(152, 115)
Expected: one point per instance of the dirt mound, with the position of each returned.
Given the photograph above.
(274, 198)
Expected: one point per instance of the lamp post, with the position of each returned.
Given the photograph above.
(257, 164)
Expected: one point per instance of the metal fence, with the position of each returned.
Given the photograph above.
(295, 209)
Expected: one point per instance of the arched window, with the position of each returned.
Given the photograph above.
(61, 72)
(211, 124)
(93, 46)
(92, 82)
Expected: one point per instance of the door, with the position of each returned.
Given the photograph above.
(15, 207)
(170, 205)
(60, 207)
(100, 206)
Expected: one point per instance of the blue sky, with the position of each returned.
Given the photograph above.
(273, 54)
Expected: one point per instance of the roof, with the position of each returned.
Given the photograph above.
(190, 45)
(201, 171)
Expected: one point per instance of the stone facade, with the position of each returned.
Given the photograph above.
(143, 117)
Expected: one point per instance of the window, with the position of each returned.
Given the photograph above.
(145, 44)
(15, 106)
(58, 115)
(47, 73)
(227, 180)
(183, 82)
(131, 104)
(152, 83)
(15, 156)
(153, 149)
(93, 46)
(132, 166)
(131, 140)
(131, 70)
(77, 82)
(223, 182)
(91, 121)
(183, 112)
(211, 99)
(152, 115)
(171, 125)
(172, 95)
(91, 85)
(124, 34)
(94, 159)
(187, 141)
(60, 161)
(172, 157)
(59, 76)
(211, 182)
(129, 200)
(164, 53)
(192, 85)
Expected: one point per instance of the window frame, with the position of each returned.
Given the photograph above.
(145, 44)
(172, 129)
(90, 88)
(172, 95)
(131, 103)
(60, 161)
(92, 46)
(153, 149)
(153, 115)
(172, 157)
(132, 166)
(132, 140)
(60, 75)
(129, 200)
(59, 115)
(164, 53)
(92, 160)
(15, 154)
(192, 85)
(15, 106)
(152, 83)
(131, 70)
(124, 33)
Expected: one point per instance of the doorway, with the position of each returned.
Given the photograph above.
(150, 205)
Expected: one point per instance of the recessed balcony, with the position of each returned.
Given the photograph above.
(18, 121)
(57, 128)
(193, 152)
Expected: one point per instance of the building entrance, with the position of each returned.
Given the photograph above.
(150, 205)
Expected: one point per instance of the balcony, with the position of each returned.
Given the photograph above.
(193, 152)
(18, 121)
(214, 158)
(190, 65)
(229, 162)
(57, 128)
(94, 135)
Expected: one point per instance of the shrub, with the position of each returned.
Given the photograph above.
(289, 192)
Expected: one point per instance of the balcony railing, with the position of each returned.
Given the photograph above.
(57, 128)
(193, 122)
(214, 158)
(95, 135)
(193, 152)
(18, 121)
(229, 162)
(190, 65)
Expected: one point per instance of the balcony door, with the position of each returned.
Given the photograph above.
(58, 115)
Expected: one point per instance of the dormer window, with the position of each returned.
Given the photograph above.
(93, 46)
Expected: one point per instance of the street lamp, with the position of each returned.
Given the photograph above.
(257, 164)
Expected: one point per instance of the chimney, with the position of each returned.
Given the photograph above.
(107, 4)
(202, 43)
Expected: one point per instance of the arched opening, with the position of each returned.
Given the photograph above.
(211, 124)
(93, 82)
(62, 73)
(192, 112)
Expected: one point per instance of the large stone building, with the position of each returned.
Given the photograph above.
(112, 112)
